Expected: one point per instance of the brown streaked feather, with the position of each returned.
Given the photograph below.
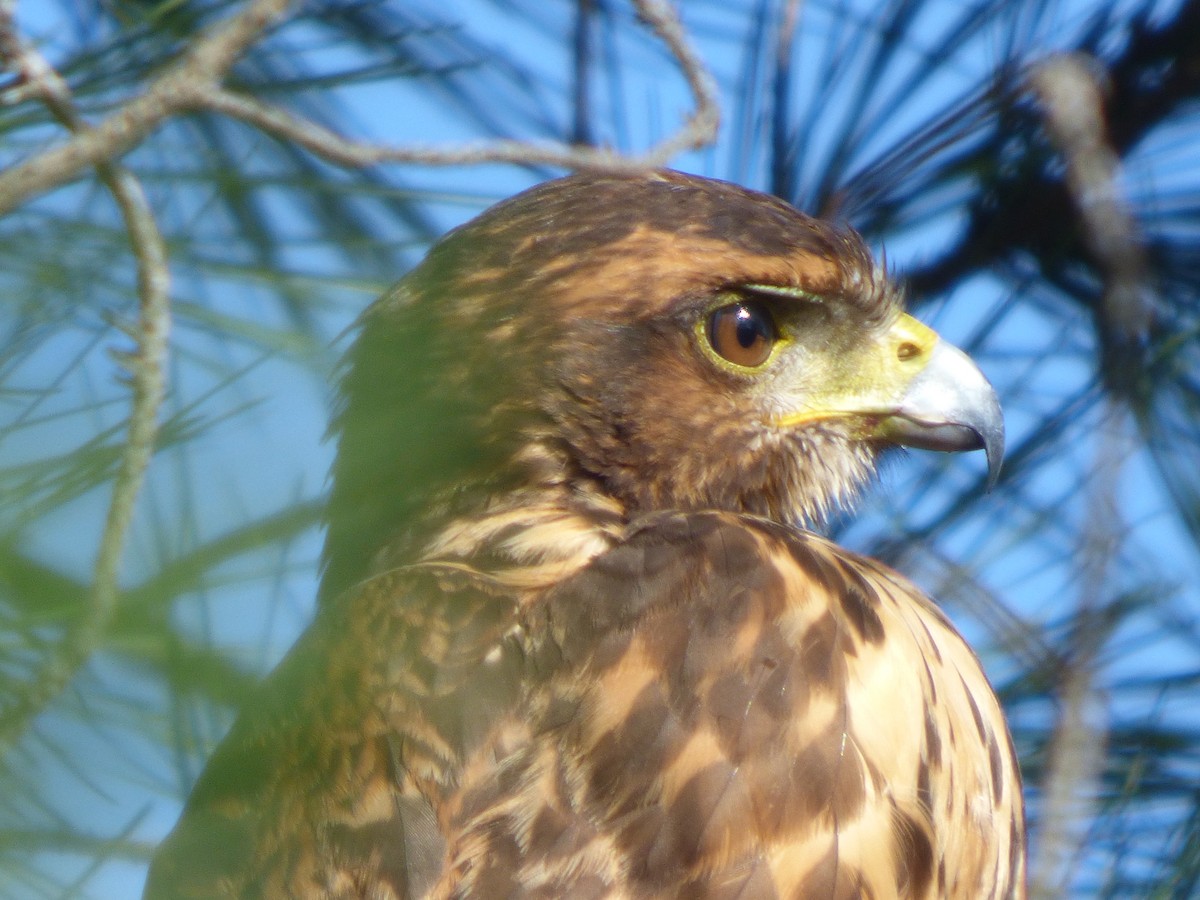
(330, 781)
(716, 720)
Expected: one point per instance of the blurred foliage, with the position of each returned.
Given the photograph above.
(911, 119)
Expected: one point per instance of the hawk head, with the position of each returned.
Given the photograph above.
(662, 340)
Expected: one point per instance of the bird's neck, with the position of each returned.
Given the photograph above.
(527, 524)
(552, 522)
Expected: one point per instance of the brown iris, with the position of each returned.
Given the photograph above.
(743, 333)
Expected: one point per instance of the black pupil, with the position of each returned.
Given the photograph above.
(750, 327)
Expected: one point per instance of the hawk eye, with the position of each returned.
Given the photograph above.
(743, 333)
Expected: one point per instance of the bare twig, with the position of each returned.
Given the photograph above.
(701, 126)
(1069, 91)
(200, 69)
(660, 15)
(39, 81)
(194, 83)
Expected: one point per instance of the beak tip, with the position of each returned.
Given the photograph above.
(991, 432)
(993, 446)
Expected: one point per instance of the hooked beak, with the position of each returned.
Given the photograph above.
(911, 388)
(949, 406)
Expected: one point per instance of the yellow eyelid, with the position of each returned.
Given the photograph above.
(780, 290)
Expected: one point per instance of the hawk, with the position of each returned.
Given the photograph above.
(575, 638)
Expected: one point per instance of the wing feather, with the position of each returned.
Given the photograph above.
(330, 782)
(730, 708)
(716, 707)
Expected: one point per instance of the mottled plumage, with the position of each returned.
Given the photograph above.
(574, 639)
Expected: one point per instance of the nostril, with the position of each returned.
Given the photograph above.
(906, 351)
